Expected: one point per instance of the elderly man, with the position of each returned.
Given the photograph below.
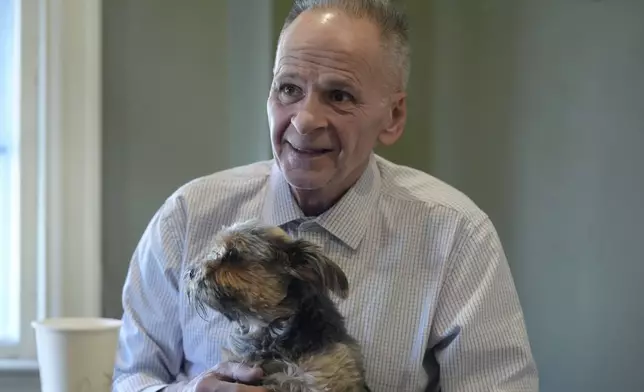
(432, 300)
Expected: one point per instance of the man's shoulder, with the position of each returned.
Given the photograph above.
(405, 184)
(225, 185)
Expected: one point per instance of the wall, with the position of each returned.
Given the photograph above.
(179, 76)
(536, 110)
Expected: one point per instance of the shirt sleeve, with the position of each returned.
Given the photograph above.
(150, 354)
(478, 340)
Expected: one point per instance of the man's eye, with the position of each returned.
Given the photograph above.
(341, 96)
(289, 90)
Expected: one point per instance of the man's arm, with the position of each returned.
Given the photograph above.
(150, 342)
(479, 340)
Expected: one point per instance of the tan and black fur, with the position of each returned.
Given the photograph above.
(276, 289)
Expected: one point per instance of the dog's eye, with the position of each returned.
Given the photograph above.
(231, 255)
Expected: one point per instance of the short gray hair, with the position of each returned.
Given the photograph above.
(392, 22)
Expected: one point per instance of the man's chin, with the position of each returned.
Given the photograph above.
(307, 180)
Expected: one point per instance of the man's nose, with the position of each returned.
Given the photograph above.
(310, 116)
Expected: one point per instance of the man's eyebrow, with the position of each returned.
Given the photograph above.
(335, 81)
(287, 74)
(339, 83)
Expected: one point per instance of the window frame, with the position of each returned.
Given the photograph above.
(60, 163)
(8, 154)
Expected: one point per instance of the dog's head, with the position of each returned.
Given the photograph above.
(258, 272)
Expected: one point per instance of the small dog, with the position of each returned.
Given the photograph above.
(276, 289)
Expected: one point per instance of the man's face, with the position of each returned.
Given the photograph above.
(331, 100)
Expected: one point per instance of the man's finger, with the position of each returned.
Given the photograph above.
(214, 383)
(247, 388)
(223, 386)
(239, 372)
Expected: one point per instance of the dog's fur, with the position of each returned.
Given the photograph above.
(276, 289)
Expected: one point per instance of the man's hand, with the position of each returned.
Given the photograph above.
(230, 377)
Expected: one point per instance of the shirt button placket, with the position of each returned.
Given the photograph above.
(312, 232)
(303, 231)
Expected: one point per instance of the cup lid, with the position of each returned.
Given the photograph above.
(77, 323)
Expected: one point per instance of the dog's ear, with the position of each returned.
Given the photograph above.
(309, 264)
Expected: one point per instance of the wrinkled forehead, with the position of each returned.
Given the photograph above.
(316, 44)
(333, 68)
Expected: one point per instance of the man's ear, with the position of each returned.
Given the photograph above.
(396, 121)
(310, 265)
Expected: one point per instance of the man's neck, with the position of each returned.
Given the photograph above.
(317, 201)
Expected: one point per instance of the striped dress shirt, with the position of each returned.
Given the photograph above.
(432, 300)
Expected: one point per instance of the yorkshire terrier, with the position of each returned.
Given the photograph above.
(276, 288)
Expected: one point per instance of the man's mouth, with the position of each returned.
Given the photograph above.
(309, 150)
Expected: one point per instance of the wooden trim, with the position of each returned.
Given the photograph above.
(72, 128)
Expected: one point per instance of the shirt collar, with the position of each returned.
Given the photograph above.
(347, 219)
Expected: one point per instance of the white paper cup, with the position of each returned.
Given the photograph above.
(76, 354)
